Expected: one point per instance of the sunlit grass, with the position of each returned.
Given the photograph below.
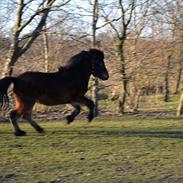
(156, 103)
(107, 150)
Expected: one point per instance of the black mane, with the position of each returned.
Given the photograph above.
(75, 61)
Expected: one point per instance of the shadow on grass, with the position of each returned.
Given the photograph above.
(157, 134)
(120, 133)
(82, 133)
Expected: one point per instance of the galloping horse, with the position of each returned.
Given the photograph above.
(66, 86)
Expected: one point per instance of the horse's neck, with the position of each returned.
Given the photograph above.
(83, 76)
(76, 74)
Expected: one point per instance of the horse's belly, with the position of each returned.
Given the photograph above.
(60, 97)
(52, 100)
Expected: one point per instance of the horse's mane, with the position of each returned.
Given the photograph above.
(80, 58)
(74, 61)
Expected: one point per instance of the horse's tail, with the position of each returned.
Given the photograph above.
(4, 85)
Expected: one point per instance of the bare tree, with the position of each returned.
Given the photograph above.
(125, 16)
(21, 42)
(139, 24)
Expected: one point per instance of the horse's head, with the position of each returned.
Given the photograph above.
(98, 66)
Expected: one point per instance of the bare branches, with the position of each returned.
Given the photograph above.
(124, 15)
(19, 45)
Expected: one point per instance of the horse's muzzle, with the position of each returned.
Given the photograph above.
(105, 76)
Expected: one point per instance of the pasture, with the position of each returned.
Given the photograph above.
(115, 150)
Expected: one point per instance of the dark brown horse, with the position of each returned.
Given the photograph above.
(67, 86)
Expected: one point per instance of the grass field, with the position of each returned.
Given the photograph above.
(115, 150)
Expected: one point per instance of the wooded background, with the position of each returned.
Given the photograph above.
(142, 41)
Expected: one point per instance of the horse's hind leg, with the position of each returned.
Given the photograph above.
(90, 104)
(14, 115)
(24, 107)
(28, 117)
(70, 118)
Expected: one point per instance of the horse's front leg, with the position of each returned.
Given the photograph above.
(70, 118)
(90, 104)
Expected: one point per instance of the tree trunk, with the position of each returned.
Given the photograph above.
(95, 96)
(136, 100)
(123, 95)
(46, 50)
(10, 62)
(167, 91)
(13, 53)
(178, 79)
(180, 106)
(95, 83)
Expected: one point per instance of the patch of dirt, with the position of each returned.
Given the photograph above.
(56, 114)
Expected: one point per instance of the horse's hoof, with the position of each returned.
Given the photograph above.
(20, 133)
(40, 130)
(90, 117)
(70, 119)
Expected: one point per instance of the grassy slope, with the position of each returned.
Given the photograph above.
(108, 151)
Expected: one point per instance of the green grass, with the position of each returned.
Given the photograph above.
(156, 103)
(116, 150)
(151, 103)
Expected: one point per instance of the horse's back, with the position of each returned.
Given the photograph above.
(37, 76)
(34, 83)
